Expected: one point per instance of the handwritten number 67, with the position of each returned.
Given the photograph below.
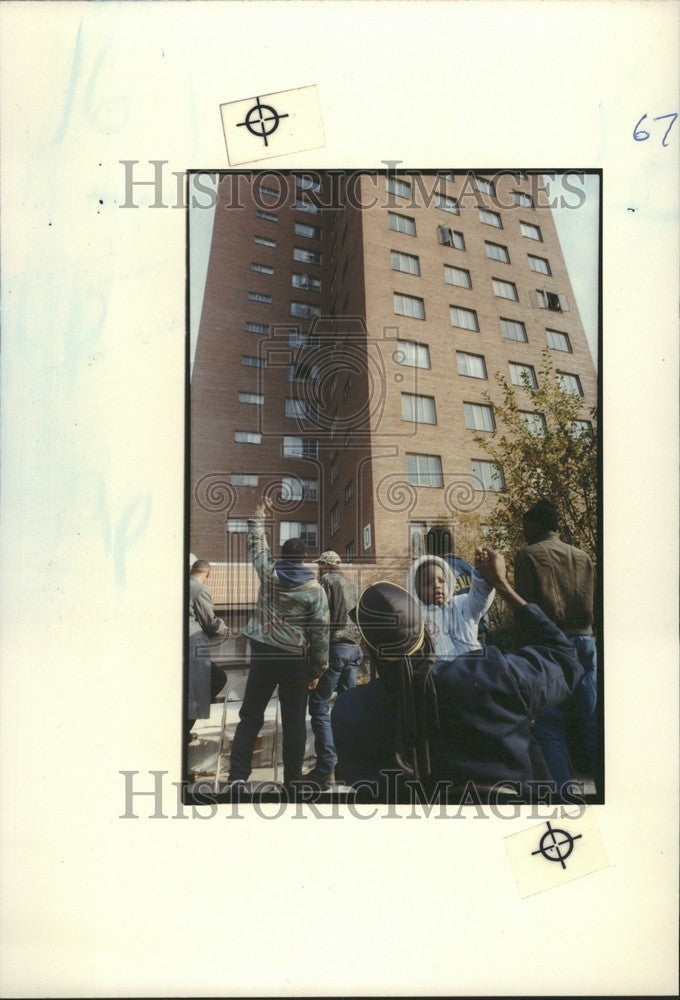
(640, 134)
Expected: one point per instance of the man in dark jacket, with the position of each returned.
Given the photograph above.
(483, 703)
(205, 634)
(560, 579)
(344, 658)
(288, 633)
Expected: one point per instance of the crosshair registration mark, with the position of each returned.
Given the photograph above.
(552, 843)
(262, 120)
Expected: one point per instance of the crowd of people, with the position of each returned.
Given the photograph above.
(442, 705)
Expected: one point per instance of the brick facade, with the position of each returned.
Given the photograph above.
(356, 381)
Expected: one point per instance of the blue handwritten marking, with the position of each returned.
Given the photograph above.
(88, 316)
(70, 93)
(641, 134)
(100, 115)
(130, 528)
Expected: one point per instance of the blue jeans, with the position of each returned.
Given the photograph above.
(343, 662)
(268, 668)
(579, 712)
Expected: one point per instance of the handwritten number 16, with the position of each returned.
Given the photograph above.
(639, 134)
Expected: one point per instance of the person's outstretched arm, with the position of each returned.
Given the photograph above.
(491, 566)
(546, 669)
(258, 550)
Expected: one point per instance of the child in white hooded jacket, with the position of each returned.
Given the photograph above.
(451, 620)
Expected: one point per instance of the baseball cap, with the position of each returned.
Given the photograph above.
(329, 558)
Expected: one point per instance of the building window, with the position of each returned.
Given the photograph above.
(295, 488)
(571, 384)
(490, 218)
(298, 339)
(267, 216)
(347, 439)
(262, 268)
(479, 417)
(237, 525)
(401, 223)
(489, 475)
(334, 468)
(446, 203)
(451, 238)
(406, 262)
(522, 199)
(311, 232)
(558, 341)
(466, 319)
(512, 329)
(243, 479)
(367, 537)
(347, 387)
(259, 297)
(334, 423)
(530, 231)
(457, 276)
(418, 409)
(424, 470)
(580, 428)
(349, 552)
(247, 437)
(534, 422)
(335, 518)
(471, 364)
(302, 372)
(251, 362)
(349, 490)
(497, 252)
(418, 533)
(251, 397)
(409, 305)
(264, 242)
(395, 186)
(301, 409)
(306, 530)
(304, 310)
(308, 183)
(306, 256)
(304, 205)
(413, 355)
(305, 281)
(300, 447)
(551, 300)
(539, 264)
(333, 386)
(485, 186)
(257, 328)
(504, 289)
(524, 375)
(269, 191)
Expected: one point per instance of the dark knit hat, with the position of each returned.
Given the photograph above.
(389, 620)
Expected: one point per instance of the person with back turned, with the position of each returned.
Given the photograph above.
(206, 632)
(560, 579)
(288, 633)
(344, 658)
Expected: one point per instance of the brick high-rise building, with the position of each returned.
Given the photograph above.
(351, 326)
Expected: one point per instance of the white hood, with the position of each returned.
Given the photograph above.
(448, 576)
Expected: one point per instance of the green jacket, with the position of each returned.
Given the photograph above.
(292, 609)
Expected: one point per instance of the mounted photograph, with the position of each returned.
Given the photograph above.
(394, 487)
